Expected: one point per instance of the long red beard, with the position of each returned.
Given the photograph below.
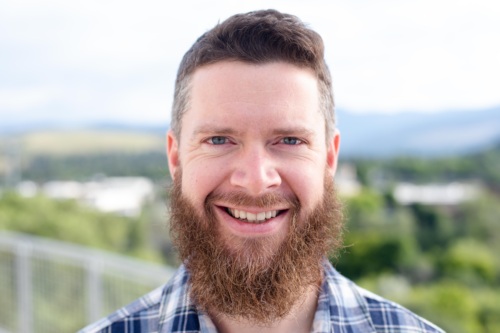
(262, 279)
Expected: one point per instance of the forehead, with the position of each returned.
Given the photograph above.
(253, 79)
(264, 92)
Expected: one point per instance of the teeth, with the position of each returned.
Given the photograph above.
(251, 217)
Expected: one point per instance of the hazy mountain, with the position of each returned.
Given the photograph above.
(427, 134)
(369, 135)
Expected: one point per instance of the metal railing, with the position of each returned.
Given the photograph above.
(52, 286)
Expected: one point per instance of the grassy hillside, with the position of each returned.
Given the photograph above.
(88, 142)
(80, 154)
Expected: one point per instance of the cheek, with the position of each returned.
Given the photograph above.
(199, 180)
(308, 185)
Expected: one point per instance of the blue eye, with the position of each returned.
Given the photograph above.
(217, 140)
(290, 140)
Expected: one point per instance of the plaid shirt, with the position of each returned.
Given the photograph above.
(342, 307)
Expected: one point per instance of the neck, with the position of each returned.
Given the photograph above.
(300, 318)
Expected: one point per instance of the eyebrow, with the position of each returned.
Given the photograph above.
(285, 131)
(294, 131)
(214, 129)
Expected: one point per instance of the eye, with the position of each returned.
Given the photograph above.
(217, 140)
(290, 140)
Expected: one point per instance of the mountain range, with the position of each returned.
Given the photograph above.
(418, 134)
(362, 134)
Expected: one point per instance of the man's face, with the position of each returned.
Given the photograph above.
(253, 131)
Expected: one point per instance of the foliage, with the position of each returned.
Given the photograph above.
(469, 261)
(81, 167)
(481, 166)
(69, 221)
(439, 262)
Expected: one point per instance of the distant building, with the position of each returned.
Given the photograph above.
(436, 194)
(59, 189)
(27, 188)
(346, 180)
(122, 195)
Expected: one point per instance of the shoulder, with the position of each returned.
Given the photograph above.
(132, 315)
(147, 313)
(388, 316)
(359, 307)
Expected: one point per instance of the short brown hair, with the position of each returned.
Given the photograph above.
(256, 37)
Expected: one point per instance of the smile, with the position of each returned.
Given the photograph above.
(251, 217)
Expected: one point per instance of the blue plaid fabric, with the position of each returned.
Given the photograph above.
(342, 307)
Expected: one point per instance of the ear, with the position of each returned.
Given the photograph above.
(172, 153)
(333, 152)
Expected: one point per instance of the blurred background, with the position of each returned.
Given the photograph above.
(85, 95)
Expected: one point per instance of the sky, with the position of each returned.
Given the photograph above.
(80, 62)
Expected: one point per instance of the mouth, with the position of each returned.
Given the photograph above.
(256, 218)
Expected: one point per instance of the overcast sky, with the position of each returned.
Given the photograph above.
(98, 60)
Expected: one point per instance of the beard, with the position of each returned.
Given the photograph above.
(255, 280)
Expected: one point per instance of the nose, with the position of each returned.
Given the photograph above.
(255, 171)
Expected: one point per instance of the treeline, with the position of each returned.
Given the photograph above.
(483, 166)
(69, 221)
(44, 168)
(441, 262)
(58, 288)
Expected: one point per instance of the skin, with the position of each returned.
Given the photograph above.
(254, 129)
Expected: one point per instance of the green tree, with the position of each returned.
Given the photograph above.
(69, 221)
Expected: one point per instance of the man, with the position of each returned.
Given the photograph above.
(252, 151)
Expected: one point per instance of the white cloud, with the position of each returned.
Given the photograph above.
(421, 56)
(14, 100)
(117, 59)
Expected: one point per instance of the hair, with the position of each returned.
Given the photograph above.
(256, 37)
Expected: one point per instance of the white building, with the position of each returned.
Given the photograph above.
(346, 180)
(122, 195)
(436, 194)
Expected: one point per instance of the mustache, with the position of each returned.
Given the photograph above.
(267, 200)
